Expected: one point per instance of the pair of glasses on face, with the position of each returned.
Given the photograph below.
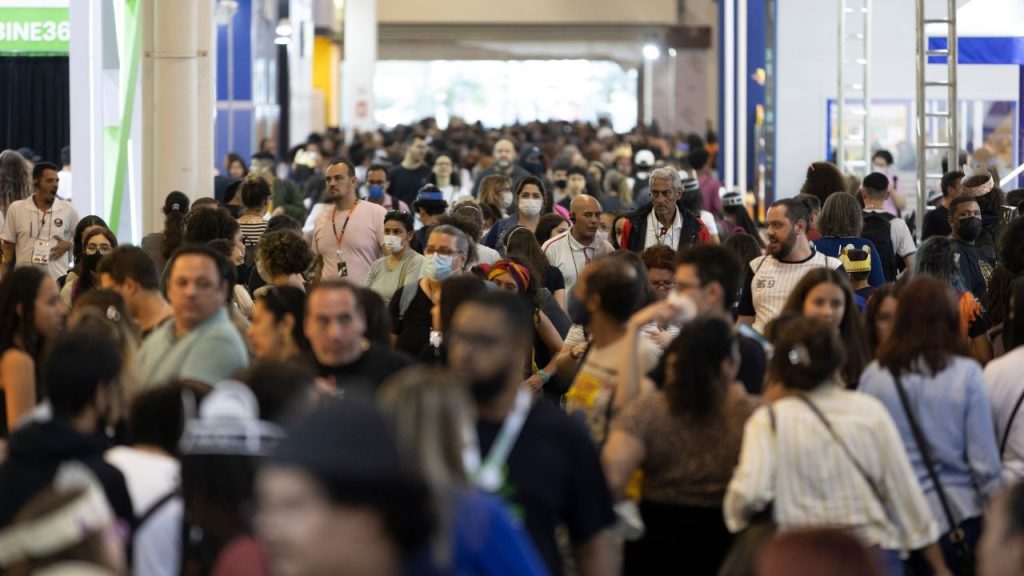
(101, 248)
(444, 251)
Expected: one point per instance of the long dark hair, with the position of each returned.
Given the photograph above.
(1013, 327)
(175, 207)
(281, 300)
(85, 281)
(697, 387)
(18, 292)
(522, 244)
(739, 213)
(78, 243)
(549, 202)
(927, 326)
(851, 328)
(873, 308)
(823, 179)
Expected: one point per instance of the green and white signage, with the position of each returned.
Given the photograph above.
(35, 30)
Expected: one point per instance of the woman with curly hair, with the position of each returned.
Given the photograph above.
(15, 183)
(1011, 265)
(823, 180)
(939, 257)
(282, 258)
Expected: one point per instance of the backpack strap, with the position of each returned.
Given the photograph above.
(141, 519)
(1009, 426)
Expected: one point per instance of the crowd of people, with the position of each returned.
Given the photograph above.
(545, 349)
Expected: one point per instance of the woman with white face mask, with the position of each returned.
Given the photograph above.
(532, 202)
(402, 264)
(497, 190)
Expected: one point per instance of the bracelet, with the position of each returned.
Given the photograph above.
(544, 376)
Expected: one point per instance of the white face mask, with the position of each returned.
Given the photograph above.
(531, 206)
(506, 200)
(393, 243)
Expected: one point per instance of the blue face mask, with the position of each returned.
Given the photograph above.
(375, 192)
(436, 267)
(577, 310)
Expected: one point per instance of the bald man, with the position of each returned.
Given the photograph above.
(570, 251)
(504, 164)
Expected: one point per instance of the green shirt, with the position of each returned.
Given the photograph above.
(209, 353)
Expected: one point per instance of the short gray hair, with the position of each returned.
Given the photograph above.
(667, 174)
(462, 242)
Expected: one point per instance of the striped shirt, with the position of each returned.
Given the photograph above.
(770, 282)
(812, 482)
(252, 231)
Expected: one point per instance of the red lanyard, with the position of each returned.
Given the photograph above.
(340, 237)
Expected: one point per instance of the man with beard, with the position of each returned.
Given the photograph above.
(531, 454)
(413, 173)
(37, 229)
(349, 234)
(663, 221)
(790, 256)
(975, 264)
(504, 165)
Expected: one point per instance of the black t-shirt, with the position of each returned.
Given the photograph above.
(971, 261)
(936, 223)
(554, 477)
(413, 329)
(367, 373)
(553, 279)
(405, 183)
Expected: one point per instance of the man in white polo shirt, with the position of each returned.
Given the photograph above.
(37, 230)
(573, 249)
(790, 256)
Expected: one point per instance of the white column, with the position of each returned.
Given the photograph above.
(178, 104)
(85, 68)
(357, 106)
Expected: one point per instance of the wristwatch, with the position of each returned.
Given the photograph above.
(544, 376)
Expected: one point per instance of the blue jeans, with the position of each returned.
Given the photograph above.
(891, 563)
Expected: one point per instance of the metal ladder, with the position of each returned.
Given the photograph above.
(854, 50)
(932, 118)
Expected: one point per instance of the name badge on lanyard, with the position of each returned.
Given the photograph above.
(488, 475)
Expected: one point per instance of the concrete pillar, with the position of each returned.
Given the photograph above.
(357, 106)
(178, 103)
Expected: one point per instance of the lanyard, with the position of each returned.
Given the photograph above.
(334, 225)
(488, 476)
(666, 231)
(42, 220)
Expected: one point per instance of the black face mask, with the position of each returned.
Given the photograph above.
(91, 261)
(561, 183)
(968, 229)
(486, 389)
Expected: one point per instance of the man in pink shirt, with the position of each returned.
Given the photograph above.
(348, 234)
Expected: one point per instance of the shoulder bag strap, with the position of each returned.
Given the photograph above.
(846, 450)
(155, 507)
(1009, 425)
(922, 446)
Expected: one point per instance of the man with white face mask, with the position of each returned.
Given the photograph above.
(447, 251)
(402, 263)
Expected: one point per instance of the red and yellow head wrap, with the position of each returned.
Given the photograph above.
(519, 273)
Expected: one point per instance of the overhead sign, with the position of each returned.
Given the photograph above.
(35, 30)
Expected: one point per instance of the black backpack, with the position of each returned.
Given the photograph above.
(878, 229)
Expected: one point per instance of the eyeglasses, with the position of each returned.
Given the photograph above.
(101, 248)
(443, 251)
(664, 285)
(397, 213)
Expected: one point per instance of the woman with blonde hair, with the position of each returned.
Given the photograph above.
(432, 417)
(497, 190)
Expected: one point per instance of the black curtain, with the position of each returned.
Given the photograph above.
(35, 104)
